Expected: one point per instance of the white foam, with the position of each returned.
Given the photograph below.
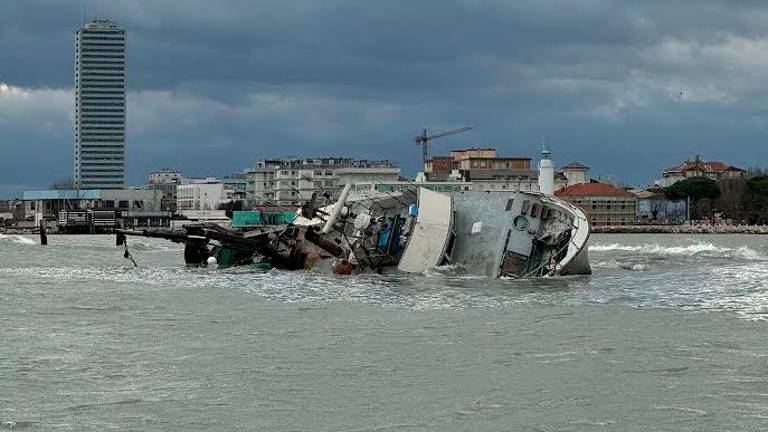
(13, 238)
(610, 264)
(693, 249)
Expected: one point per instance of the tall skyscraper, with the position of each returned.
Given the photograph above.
(100, 106)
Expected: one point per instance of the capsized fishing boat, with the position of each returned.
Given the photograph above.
(494, 234)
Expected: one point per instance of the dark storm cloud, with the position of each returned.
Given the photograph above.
(626, 87)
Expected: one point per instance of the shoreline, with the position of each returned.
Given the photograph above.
(624, 229)
(681, 229)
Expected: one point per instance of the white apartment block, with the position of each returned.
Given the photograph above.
(287, 183)
(200, 194)
(164, 176)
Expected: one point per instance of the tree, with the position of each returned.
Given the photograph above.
(655, 208)
(759, 185)
(756, 171)
(695, 187)
(756, 200)
(700, 190)
(731, 201)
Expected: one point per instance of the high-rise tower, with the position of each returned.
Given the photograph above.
(100, 106)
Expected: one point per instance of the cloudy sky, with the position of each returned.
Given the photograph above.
(626, 87)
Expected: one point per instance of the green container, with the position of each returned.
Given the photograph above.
(246, 219)
(226, 258)
(285, 217)
(249, 219)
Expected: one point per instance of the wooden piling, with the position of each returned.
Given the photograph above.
(43, 233)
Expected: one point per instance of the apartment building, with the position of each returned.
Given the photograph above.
(200, 194)
(165, 180)
(288, 182)
(100, 106)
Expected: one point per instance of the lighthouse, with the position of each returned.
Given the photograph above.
(546, 173)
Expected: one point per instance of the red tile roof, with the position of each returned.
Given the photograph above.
(705, 166)
(710, 166)
(592, 189)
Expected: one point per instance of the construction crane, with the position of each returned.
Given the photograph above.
(424, 139)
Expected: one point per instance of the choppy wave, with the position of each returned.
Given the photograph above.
(615, 264)
(394, 290)
(13, 238)
(682, 274)
(700, 248)
(139, 245)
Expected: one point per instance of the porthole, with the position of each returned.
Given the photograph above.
(520, 223)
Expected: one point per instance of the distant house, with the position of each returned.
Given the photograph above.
(575, 173)
(603, 204)
(714, 170)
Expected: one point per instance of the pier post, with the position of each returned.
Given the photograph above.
(43, 233)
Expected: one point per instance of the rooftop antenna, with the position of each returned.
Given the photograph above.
(83, 14)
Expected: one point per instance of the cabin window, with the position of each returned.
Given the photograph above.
(509, 204)
(535, 210)
(526, 207)
(123, 204)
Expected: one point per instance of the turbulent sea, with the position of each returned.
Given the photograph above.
(670, 333)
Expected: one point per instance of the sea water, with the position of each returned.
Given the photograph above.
(668, 334)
